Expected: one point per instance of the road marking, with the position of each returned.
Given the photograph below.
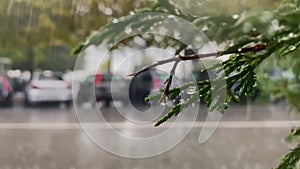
(126, 126)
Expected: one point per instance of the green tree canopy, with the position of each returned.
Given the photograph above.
(41, 33)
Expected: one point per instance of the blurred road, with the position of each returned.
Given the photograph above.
(49, 137)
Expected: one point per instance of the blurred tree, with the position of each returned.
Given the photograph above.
(30, 28)
(33, 32)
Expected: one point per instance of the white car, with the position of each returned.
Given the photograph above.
(47, 87)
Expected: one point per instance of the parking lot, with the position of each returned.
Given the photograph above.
(50, 136)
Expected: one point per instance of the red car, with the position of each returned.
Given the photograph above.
(102, 88)
(6, 92)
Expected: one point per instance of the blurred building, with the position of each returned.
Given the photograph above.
(4, 62)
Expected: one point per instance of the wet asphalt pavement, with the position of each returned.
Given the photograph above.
(50, 137)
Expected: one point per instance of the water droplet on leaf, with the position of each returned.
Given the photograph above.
(131, 12)
(171, 16)
(169, 104)
(191, 90)
(128, 30)
(292, 48)
(115, 21)
(235, 16)
(163, 103)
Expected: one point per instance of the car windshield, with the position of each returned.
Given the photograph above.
(107, 78)
(49, 78)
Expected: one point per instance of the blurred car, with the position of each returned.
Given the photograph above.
(103, 87)
(149, 82)
(18, 84)
(6, 91)
(47, 86)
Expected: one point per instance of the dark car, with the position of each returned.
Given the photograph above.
(142, 85)
(146, 83)
(6, 92)
(18, 84)
(107, 87)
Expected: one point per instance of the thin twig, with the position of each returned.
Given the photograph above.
(255, 48)
(179, 58)
(168, 83)
(161, 62)
(175, 59)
